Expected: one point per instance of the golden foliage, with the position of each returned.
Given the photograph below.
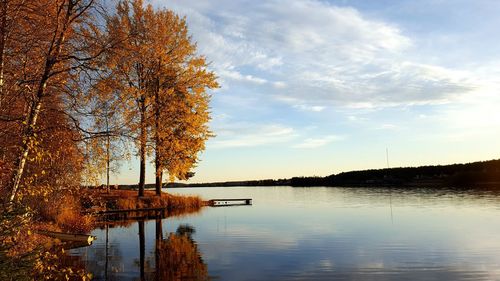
(44, 52)
(14, 263)
(50, 265)
(164, 84)
(64, 79)
(22, 256)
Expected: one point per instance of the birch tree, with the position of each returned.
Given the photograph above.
(46, 51)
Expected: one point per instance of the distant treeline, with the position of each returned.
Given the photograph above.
(476, 174)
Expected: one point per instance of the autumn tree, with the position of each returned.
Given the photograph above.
(167, 81)
(130, 64)
(181, 126)
(8, 11)
(179, 98)
(48, 45)
(12, 14)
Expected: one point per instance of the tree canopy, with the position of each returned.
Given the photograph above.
(157, 69)
(78, 85)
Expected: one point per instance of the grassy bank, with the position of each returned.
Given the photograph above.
(98, 199)
(26, 255)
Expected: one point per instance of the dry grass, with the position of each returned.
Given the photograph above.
(126, 204)
(73, 221)
(65, 212)
(62, 210)
(128, 199)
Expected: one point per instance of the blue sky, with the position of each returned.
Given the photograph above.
(320, 87)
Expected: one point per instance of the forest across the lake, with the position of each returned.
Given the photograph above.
(470, 175)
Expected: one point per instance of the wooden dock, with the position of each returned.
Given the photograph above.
(131, 214)
(229, 202)
(154, 213)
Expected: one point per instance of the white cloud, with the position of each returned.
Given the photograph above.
(314, 108)
(220, 117)
(250, 135)
(354, 118)
(478, 111)
(321, 52)
(387, 127)
(279, 85)
(235, 75)
(317, 142)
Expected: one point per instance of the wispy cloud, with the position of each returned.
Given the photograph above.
(318, 142)
(251, 135)
(387, 127)
(306, 107)
(323, 53)
(279, 85)
(235, 75)
(354, 118)
(292, 72)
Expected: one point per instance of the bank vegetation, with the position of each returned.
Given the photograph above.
(81, 90)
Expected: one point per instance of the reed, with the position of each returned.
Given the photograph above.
(128, 199)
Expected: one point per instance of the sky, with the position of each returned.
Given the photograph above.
(313, 88)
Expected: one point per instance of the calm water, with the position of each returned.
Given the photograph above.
(312, 234)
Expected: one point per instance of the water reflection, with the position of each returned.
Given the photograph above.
(178, 257)
(141, 247)
(175, 258)
(175, 255)
(313, 234)
(104, 258)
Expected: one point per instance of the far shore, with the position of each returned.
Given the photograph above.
(475, 175)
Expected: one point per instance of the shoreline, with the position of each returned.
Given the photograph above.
(481, 174)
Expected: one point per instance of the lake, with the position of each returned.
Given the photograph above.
(313, 233)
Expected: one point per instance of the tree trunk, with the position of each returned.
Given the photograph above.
(159, 172)
(27, 142)
(107, 163)
(142, 150)
(158, 182)
(3, 39)
(158, 168)
(28, 134)
(108, 144)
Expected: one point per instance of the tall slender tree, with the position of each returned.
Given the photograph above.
(178, 88)
(159, 68)
(181, 126)
(130, 62)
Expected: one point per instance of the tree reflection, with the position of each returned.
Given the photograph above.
(105, 260)
(177, 257)
(141, 247)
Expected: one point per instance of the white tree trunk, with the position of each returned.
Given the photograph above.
(27, 141)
